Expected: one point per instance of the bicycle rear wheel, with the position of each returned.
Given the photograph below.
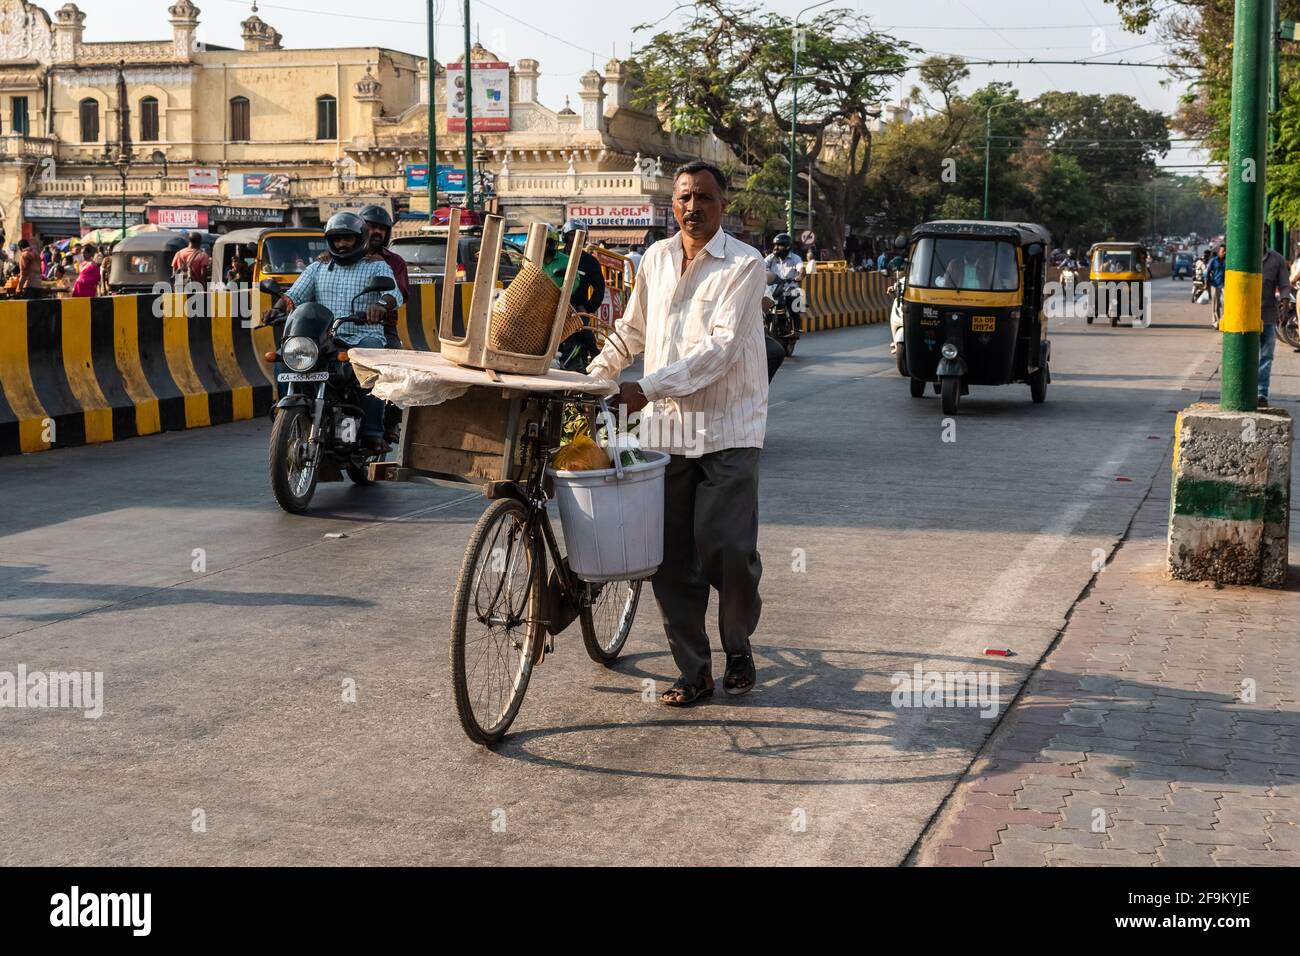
(495, 621)
(607, 619)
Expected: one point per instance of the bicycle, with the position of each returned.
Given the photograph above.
(504, 589)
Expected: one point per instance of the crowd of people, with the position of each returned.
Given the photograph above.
(80, 270)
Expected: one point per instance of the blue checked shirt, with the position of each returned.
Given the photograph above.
(335, 287)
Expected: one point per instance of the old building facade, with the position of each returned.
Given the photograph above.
(218, 138)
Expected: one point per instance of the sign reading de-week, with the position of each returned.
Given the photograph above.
(613, 215)
(174, 218)
(205, 181)
(490, 82)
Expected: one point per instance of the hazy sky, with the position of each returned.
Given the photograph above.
(567, 36)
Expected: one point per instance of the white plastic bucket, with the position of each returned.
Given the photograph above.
(613, 527)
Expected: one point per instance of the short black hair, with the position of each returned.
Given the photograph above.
(700, 166)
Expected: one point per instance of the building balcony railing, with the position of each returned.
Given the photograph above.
(622, 185)
(27, 147)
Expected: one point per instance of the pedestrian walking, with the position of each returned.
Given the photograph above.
(191, 264)
(1214, 273)
(696, 312)
(30, 282)
(1275, 287)
(87, 284)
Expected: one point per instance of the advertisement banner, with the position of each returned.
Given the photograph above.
(491, 88)
(173, 218)
(451, 179)
(417, 176)
(205, 181)
(259, 184)
(613, 214)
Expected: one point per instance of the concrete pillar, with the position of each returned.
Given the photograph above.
(526, 73)
(69, 28)
(593, 101)
(185, 24)
(1229, 515)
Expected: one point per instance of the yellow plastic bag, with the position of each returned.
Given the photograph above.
(581, 454)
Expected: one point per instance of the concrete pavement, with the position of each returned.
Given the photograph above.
(884, 546)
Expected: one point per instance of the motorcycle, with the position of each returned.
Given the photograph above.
(316, 435)
(1288, 325)
(781, 313)
(1198, 286)
(896, 348)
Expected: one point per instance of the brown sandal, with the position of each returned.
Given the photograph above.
(684, 694)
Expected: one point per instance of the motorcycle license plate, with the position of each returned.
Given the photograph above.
(303, 377)
(983, 323)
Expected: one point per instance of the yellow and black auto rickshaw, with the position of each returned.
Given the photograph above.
(972, 309)
(1118, 272)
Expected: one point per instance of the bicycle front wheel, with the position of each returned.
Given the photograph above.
(606, 619)
(495, 622)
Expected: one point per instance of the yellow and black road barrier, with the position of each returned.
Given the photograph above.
(82, 371)
(836, 300)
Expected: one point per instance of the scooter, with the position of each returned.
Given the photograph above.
(781, 317)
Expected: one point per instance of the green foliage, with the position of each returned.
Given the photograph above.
(728, 72)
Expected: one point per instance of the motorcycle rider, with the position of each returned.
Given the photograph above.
(783, 264)
(335, 284)
(588, 290)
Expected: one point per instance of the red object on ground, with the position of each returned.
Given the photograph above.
(997, 651)
(1122, 478)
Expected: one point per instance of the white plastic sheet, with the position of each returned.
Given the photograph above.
(426, 378)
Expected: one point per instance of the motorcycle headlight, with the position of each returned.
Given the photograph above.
(299, 353)
(949, 351)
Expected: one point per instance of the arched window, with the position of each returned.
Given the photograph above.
(239, 121)
(89, 120)
(327, 117)
(149, 119)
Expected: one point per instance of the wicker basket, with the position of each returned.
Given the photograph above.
(524, 315)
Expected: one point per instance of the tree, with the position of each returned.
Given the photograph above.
(727, 72)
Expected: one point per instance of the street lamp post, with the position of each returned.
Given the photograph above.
(988, 117)
(1242, 323)
(794, 113)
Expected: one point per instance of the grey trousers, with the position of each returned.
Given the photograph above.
(710, 540)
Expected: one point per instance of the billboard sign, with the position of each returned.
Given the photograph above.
(451, 179)
(490, 84)
(609, 215)
(178, 218)
(417, 176)
(205, 181)
(259, 184)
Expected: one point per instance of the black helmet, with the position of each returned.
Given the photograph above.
(378, 217)
(347, 224)
(572, 226)
(782, 239)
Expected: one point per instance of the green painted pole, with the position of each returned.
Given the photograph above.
(469, 118)
(1277, 230)
(988, 115)
(433, 124)
(1241, 325)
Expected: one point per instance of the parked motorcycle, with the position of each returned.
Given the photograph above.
(781, 317)
(317, 428)
(1198, 286)
(1288, 329)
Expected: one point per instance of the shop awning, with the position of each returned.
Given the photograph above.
(619, 235)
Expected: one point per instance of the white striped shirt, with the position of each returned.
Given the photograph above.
(702, 335)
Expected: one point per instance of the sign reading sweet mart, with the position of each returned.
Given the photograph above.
(613, 214)
(491, 88)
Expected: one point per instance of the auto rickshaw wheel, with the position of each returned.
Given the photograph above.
(900, 359)
(917, 385)
(950, 393)
(1089, 318)
(1038, 385)
(1114, 321)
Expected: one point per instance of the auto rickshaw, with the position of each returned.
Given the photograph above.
(1184, 266)
(279, 253)
(1119, 272)
(972, 308)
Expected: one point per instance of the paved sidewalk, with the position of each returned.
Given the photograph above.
(1136, 743)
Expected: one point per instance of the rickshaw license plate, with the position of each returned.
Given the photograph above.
(983, 323)
(303, 377)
